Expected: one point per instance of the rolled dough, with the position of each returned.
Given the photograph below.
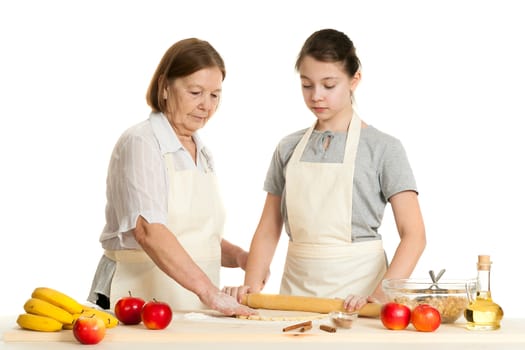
(283, 315)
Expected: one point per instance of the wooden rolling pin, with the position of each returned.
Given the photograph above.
(300, 303)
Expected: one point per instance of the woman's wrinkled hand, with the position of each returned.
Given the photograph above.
(227, 305)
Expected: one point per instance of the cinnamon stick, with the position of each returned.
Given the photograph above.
(327, 328)
(304, 325)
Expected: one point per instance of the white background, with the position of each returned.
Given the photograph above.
(445, 77)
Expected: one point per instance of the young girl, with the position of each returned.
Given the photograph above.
(329, 185)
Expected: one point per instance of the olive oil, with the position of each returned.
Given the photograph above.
(483, 313)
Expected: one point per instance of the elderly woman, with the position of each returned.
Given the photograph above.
(164, 215)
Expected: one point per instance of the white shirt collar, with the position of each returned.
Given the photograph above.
(168, 140)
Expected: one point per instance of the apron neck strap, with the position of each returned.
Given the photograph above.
(352, 139)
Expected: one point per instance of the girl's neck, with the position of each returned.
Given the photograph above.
(338, 124)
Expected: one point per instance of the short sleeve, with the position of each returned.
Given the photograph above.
(137, 183)
(274, 182)
(396, 173)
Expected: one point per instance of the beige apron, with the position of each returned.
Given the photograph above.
(196, 218)
(322, 260)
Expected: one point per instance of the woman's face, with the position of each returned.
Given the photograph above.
(327, 88)
(193, 99)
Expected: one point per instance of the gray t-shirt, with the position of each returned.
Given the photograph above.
(381, 170)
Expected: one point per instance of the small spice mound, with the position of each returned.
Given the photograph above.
(342, 322)
(343, 319)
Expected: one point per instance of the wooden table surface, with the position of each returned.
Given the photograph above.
(198, 330)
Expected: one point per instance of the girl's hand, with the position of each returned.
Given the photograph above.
(236, 292)
(355, 302)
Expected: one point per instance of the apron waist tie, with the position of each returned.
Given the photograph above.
(330, 251)
(140, 256)
(127, 255)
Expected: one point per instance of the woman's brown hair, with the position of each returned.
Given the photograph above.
(183, 58)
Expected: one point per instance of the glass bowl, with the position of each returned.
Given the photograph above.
(449, 297)
(342, 319)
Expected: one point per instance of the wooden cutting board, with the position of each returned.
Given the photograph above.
(184, 327)
(227, 330)
(173, 334)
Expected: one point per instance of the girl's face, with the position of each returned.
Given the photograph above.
(193, 99)
(327, 89)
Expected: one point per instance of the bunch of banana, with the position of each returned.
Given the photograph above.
(49, 310)
(43, 308)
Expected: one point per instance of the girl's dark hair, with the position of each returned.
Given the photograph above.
(329, 45)
(183, 58)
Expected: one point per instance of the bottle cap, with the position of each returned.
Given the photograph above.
(484, 262)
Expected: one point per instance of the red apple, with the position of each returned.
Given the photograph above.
(156, 314)
(128, 309)
(425, 318)
(89, 329)
(395, 316)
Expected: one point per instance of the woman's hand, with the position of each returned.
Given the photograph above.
(236, 292)
(355, 302)
(227, 305)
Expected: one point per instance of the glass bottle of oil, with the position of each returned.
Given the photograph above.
(483, 313)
